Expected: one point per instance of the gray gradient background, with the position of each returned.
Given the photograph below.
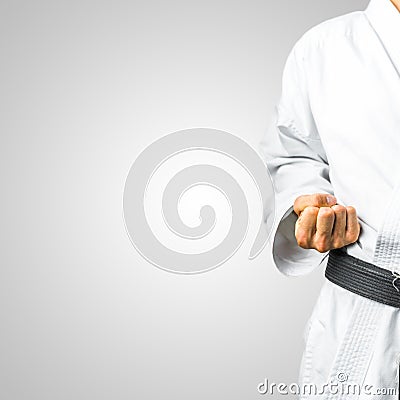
(86, 86)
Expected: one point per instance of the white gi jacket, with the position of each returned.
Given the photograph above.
(337, 130)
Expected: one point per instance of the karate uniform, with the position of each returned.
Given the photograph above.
(337, 130)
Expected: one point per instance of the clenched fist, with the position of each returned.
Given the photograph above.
(324, 225)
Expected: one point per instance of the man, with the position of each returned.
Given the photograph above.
(334, 157)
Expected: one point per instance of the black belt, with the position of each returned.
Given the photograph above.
(363, 278)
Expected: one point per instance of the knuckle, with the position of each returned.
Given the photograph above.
(300, 203)
(303, 245)
(352, 237)
(338, 243)
(326, 212)
(322, 245)
(339, 208)
(302, 239)
(311, 211)
(320, 248)
(296, 204)
(351, 210)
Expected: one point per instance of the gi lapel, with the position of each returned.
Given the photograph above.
(385, 20)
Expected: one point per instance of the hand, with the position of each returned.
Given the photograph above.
(324, 225)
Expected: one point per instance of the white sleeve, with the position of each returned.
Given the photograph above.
(297, 163)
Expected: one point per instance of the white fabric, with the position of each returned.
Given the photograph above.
(337, 130)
